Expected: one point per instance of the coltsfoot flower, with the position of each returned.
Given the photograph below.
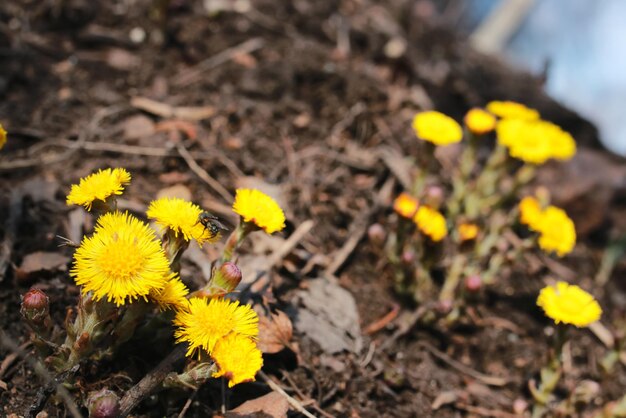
(122, 261)
(431, 223)
(172, 295)
(535, 141)
(569, 304)
(181, 217)
(3, 136)
(207, 321)
(530, 212)
(98, 186)
(406, 205)
(557, 231)
(512, 110)
(259, 209)
(435, 127)
(479, 121)
(238, 359)
(468, 231)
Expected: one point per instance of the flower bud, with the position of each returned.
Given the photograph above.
(35, 309)
(103, 404)
(224, 280)
(408, 257)
(473, 283)
(376, 234)
(434, 196)
(444, 306)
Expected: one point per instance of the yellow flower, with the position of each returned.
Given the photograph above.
(172, 295)
(406, 205)
(435, 127)
(260, 209)
(479, 121)
(562, 145)
(569, 304)
(3, 136)
(512, 110)
(207, 321)
(121, 261)
(524, 140)
(181, 217)
(98, 186)
(431, 223)
(530, 212)
(238, 359)
(468, 231)
(557, 231)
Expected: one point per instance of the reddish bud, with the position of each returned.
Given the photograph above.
(231, 274)
(434, 196)
(377, 234)
(35, 308)
(103, 404)
(408, 257)
(444, 307)
(473, 283)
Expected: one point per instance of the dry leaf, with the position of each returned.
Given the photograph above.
(272, 405)
(274, 333)
(41, 261)
(138, 126)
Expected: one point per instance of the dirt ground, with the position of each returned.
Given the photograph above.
(303, 97)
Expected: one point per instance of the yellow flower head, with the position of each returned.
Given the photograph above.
(260, 209)
(557, 230)
(530, 212)
(238, 359)
(207, 321)
(98, 186)
(431, 222)
(569, 304)
(479, 121)
(181, 217)
(535, 141)
(435, 127)
(468, 231)
(512, 110)
(172, 295)
(406, 205)
(3, 136)
(562, 145)
(121, 261)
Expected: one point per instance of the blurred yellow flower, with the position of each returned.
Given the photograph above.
(480, 122)
(535, 141)
(431, 223)
(121, 261)
(259, 209)
(530, 212)
(512, 110)
(3, 136)
(569, 304)
(238, 359)
(98, 186)
(205, 322)
(562, 145)
(435, 127)
(172, 295)
(406, 205)
(468, 231)
(557, 231)
(181, 217)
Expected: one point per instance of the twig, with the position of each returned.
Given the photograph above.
(292, 401)
(51, 385)
(380, 323)
(151, 381)
(200, 172)
(190, 76)
(187, 404)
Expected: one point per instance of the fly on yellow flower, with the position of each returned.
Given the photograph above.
(569, 304)
(238, 359)
(3, 136)
(207, 321)
(557, 231)
(98, 187)
(431, 222)
(259, 209)
(172, 295)
(468, 231)
(435, 127)
(480, 122)
(512, 110)
(182, 217)
(121, 261)
(406, 205)
(530, 212)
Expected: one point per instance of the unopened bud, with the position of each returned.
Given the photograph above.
(473, 283)
(224, 280)
(444, 306)
(103, 404)
(35, 309)
(377, 234)
(408, 257)
(434, 196)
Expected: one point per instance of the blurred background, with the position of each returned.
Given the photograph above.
(578, 45)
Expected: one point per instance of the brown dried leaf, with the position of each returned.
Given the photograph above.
(41, 261)
(272, 405)
(275, 333)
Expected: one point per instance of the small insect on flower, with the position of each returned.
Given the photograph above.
(569, 304)
(238, 359)
(211, 223)
(435, 127)
(98, 187)
(259, 209)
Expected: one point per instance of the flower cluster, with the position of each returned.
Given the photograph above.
(556, 229)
